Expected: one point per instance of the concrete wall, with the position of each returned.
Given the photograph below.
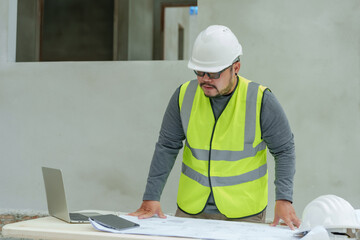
(99, 121)
(308, 54)
(8, 11)
(140, 30)
(175, 16)
(28, 31)
(4, 20)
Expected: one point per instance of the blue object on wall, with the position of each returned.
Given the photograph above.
(193, 10)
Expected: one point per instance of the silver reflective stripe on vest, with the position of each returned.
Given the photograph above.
(216, 155)
(187, 104)
(224, 181)
(250, 126)
(250, 123)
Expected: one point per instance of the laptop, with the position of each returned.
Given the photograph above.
(56, 200)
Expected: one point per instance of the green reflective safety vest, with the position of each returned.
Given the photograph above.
(227, 156)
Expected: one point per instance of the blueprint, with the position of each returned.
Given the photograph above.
(203, 229)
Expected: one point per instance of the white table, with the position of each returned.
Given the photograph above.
(54, 229)
(50, 228)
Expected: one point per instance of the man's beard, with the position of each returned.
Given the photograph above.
(213, 86)
(225, 91)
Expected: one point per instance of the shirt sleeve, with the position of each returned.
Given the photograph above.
(166, 150)
(277, 135)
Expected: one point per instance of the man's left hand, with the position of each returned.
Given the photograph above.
(285, 211)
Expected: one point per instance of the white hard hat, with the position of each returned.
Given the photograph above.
(214, 49)
(331, 212)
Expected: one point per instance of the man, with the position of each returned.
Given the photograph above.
(227, 121)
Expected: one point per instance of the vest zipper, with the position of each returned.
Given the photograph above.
(211, 139)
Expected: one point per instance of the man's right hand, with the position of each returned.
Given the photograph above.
(148, 209)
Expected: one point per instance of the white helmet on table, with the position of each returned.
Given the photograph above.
(331, 212)
(214, 49)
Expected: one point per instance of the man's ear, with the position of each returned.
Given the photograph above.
(237, 67)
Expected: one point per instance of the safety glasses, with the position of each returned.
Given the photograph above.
(215, 75)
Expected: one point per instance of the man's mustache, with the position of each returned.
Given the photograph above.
(207, 84)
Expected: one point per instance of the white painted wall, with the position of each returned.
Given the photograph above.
(99, 121)
(308, 53)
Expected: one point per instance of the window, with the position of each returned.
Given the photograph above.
(93, 30)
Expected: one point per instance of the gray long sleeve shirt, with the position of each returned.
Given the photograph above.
(275, 131)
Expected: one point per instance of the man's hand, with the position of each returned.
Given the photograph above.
(148, 209)
(285, 211)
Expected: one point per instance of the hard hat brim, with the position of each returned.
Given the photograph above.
(196, 67)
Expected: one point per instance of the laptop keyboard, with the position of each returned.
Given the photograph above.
(78, 217)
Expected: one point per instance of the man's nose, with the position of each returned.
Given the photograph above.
(206, 78)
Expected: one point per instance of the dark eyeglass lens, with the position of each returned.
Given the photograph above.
(210, 75)
(200, 74)
(214, 75)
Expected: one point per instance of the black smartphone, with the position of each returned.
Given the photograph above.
(114, 222)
